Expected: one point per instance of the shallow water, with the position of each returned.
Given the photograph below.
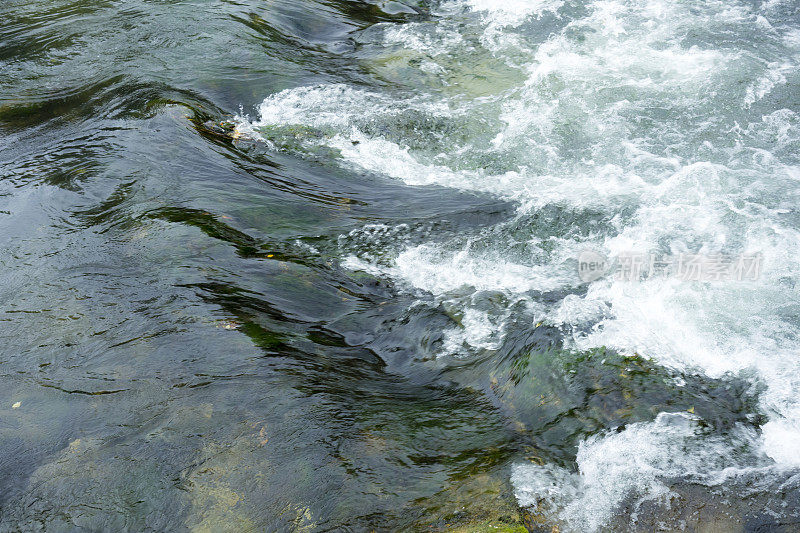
(312, 266)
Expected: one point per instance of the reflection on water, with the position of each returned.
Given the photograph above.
(170, 301)
(184, 344)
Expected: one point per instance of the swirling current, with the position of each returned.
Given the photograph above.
(321, 265)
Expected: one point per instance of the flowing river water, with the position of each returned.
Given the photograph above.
(312, 265)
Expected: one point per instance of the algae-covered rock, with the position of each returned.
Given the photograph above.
(216, 503)
(483, 502)
(558, 397)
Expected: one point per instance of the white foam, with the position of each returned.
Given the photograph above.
(511, 12)
(437, 271)
(765, 84)
(421, 37)
(476, 331)
(639, 113)
(636, 464)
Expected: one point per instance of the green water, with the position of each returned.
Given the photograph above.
(183, 345)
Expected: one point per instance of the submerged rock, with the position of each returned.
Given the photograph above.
(483, 502)
(558, 397)
(751, 503)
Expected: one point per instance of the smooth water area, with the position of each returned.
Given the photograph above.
(313, 265)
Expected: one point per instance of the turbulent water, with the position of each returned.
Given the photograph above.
(314, 266)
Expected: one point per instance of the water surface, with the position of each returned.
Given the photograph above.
(311, 266)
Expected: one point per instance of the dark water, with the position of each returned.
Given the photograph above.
(185, 345)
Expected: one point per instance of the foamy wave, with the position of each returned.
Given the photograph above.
(633, 466)
(648, 116)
